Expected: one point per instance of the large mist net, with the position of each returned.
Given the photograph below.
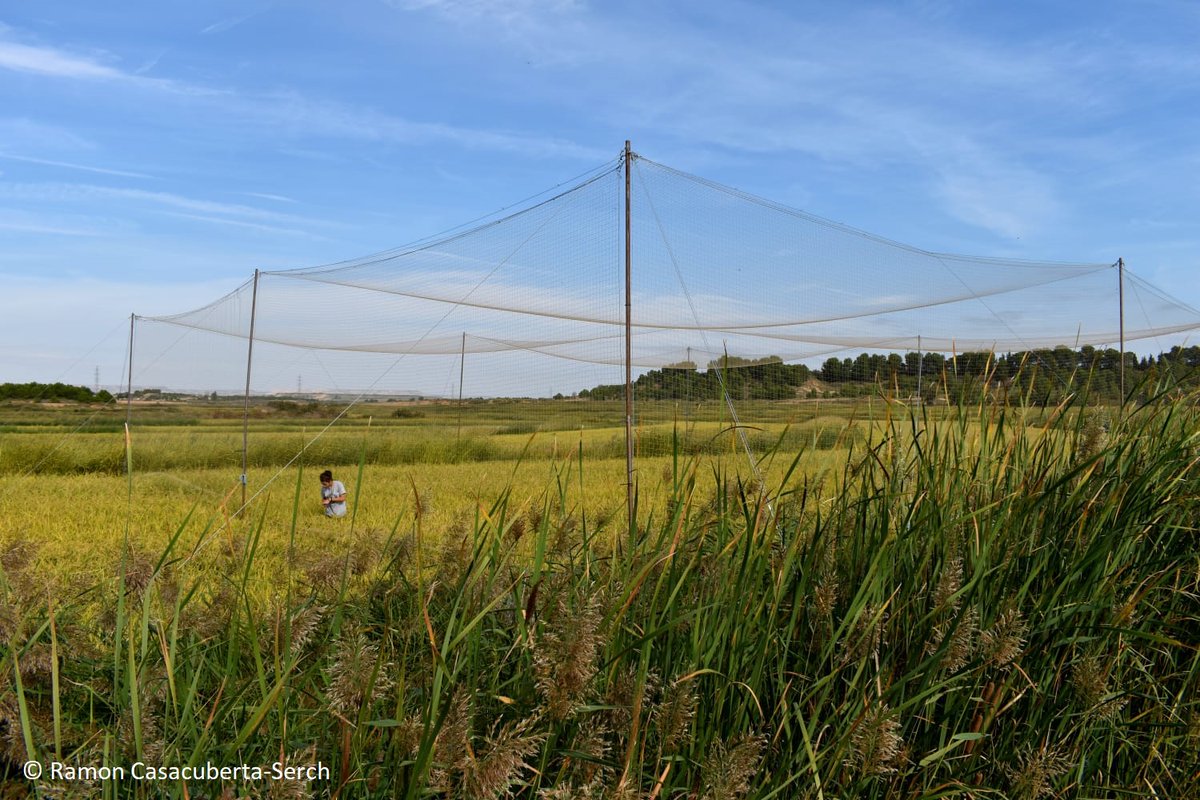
(532, 305)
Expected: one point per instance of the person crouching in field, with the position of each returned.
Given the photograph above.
(333, 495)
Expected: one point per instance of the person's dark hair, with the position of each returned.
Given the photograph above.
(326, 475)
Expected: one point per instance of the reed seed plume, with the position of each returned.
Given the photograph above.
(324, 572)
(592, 745)
(949, 582)
(453, 753)
(564, 649)
(1089, 679)
(367, 551)
(302, 625)
(867, 633)
(672, 716)
(1036, 771)
(876, 746)
(1093, 437)
(293, 788)
(1004, 642)
(961, 644)
(729, 769)
(358, 676)
(501, 760)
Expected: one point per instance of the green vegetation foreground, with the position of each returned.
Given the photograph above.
(1010, 618)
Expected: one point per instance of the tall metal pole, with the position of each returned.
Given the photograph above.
(920, 364)
(129, 385)
(462, 363)
(246, 407)
(628, 343)
(1121, 310)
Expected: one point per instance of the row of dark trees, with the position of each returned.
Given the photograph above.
(1043, 375)
(746, 380)
(53, 392)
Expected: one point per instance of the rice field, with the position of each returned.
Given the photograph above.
(963, 602)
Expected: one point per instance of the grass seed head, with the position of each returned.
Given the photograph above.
(867, 633)
(1035, 772)
(876, 746)
(727, 772)
(358, 676)
(672, 716)
(949, 582)
(564, 648)
(591, 741)
(1004, 642)
(962, 640)
(452, 747)
(1089, 683)
(501, 761)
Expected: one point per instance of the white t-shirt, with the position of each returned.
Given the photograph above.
(335, 489)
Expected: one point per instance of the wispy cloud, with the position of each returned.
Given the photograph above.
(291, 110)
(228, 24)
(24, 222)
(275, 197)
(257, 226)
(324, 118)
(236, 214)
(58, 63)
(49, 61)
(22, 133)
(511, 13)
(68, 165)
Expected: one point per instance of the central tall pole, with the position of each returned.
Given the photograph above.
(246, 407)
(129, 377)
(1121, 312)
(628, 343)
(920, 364)
(462, 366)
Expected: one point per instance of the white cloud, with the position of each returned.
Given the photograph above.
(49, 61)
(68, 165)
(83, 193)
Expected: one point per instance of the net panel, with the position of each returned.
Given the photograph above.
(736, 301)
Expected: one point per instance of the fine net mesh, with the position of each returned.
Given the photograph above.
(726, 288)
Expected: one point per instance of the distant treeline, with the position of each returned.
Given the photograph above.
(52, 392)
(1041, 375)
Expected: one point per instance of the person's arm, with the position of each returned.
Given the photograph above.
(339, 498)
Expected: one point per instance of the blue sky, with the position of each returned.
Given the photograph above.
(152, 155)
